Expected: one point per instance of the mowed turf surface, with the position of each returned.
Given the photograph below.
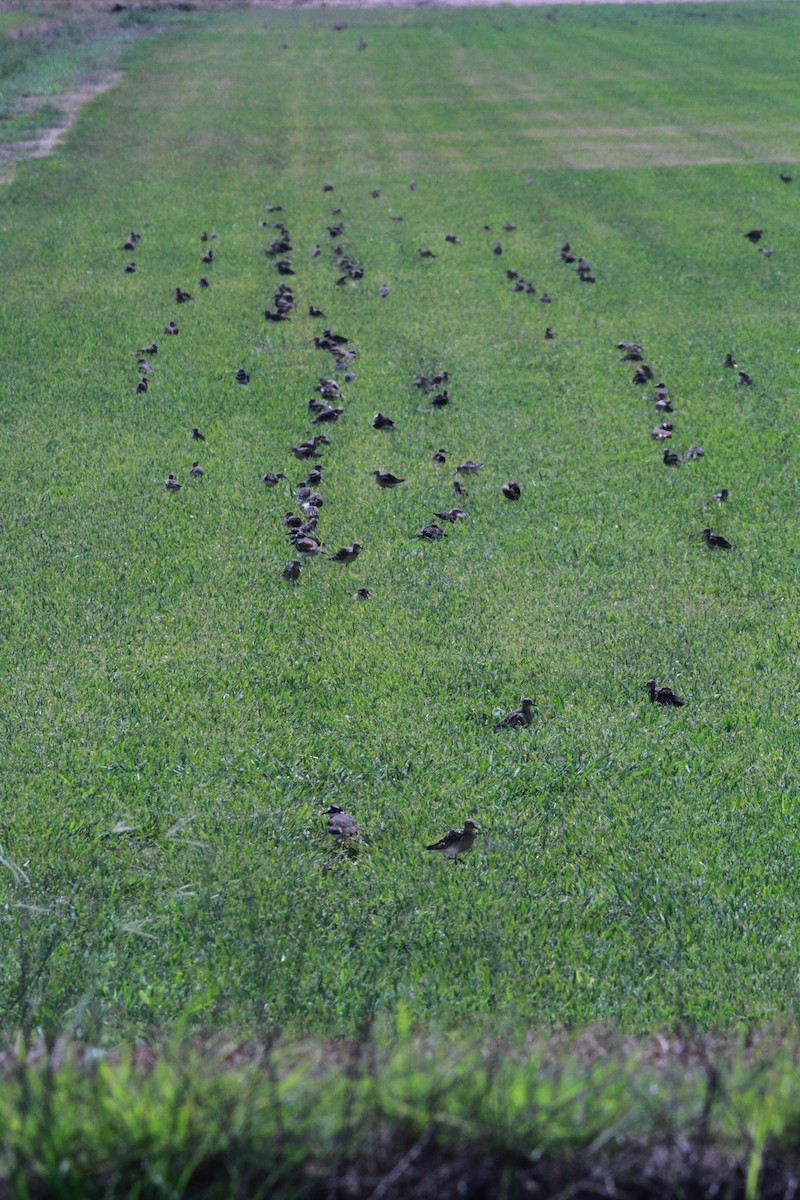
(176, 716)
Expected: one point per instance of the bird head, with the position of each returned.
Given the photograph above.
(333, 809)
(470, 825)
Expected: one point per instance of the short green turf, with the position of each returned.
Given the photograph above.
(176, 716)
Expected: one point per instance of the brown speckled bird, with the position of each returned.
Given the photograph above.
(456, 841)
(518, 716)
(663, 695)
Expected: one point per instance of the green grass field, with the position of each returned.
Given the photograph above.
(176, 717)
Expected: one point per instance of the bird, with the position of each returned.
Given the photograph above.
(197, 435)
(383, 290)
(292, 522)
(386, 479)
(715, 541)
(662, 431)
(663, 695)
(671, 459)
(545, 298)
(328, 416)
(441, 399)
(456, 841)
(203, 281)
(469, 467)
(341, 827)
(719, 497)
(440, 457)
(181, 295)
(272, 478)
(347, 554)
(380, 421)
(131, 242)
(784, 178)
(196, 470)
(642, 375)
(548, 334)
(291, 571)
(692, 453)
(172, 484)
(314, 476)
(452, 515)
(151, 349)
(767, 251)
(242, 376)
(431, 532)
(307, 545)
(130, 268)
(208, 257)
(423, 252)
(518, 716)
(362, 593)
(509, 227)
(511, 490)
(452, 239)
(497, 248)
(142, 386)
(744, 378)
(171, 329)
(754, 235)
(458, 488)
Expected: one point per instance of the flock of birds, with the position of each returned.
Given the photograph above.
(325, 409)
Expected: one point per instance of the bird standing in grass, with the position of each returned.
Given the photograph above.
(386, 479)
(347, 554)
(341, 827)
(291, 571)
(663, 695)
(518, 716)
(715, 541)
(511, 490)
(172, 484)
(272, 478)
(456, 841)
(196, 470)
(431, 532)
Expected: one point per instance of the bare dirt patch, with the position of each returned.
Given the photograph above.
(68, 105)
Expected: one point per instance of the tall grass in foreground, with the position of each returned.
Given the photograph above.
(406, 1117)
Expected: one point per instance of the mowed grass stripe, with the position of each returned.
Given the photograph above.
(178, 716)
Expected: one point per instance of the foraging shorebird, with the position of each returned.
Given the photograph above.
(181, 295)
(341, 827)
(662, 695)
(459, 489)
(272, 478)
(456, 841)
(671, 459)
(242, 376)
(196, 470)
(347, 554)
(440, 457)
(729, 360)
(744, 377)
(381, 421)
(362, 593)
(518, 716)
(431, 532)
(291, 571)
(171, 329)
(452, 515)
(197, 435)
(172, 484)
(386, 479)
(307, 545)
(469, 467)
(715, 541)
(511, 490)
(754, 235)
(719, 497)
